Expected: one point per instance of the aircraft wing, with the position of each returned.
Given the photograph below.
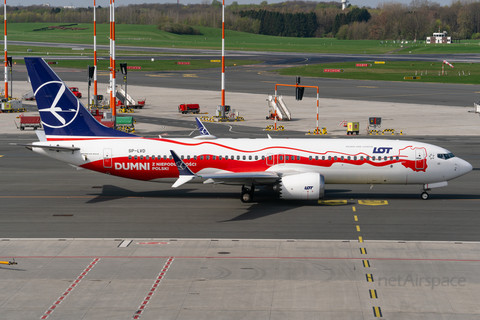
(263, 177)
(186, 175)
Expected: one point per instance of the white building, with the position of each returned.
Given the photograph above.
(439, 37)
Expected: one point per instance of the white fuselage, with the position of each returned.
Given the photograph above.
(346, 161)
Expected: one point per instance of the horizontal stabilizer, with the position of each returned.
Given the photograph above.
(53, 148)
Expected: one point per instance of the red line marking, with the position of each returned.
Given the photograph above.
(154, 287)
(245, 257)
(69, 289)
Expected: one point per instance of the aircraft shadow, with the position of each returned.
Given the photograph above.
(110, 192)
(266, 202)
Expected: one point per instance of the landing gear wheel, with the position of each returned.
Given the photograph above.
(247, 194)
(246, 197)
(425, 195)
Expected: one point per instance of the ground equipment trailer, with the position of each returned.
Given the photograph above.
(30, 122)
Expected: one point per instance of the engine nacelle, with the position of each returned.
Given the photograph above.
(302, 186)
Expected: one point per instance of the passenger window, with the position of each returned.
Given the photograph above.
(355, 158)
(130, 157)
(201, 157)
(245, 157)
(249, 157)
(385, 158)
(238, 157)
(398, 157)
(361, 157)
(194, 157)
(182, 157)
(348, 158)
(335, 158)
(298, 158)
(208, 157)
(373, 158)
(188, 157)
(141, 157)
(263, 157)
(256, 157)
(135, 157)
(329, 157)
(316, 157)
(310, 158)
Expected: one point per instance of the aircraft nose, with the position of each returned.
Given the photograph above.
(463, 167)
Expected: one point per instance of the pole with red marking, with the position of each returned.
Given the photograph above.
(95, 50)
(114, 84)
(318, 106)
(112, 61)
(223, 55)
(110, 68)
(275, 114)
(5, 47)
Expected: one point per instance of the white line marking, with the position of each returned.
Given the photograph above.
(125, 243)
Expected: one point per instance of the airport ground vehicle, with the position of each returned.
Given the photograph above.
(76, 92)
(189, 108)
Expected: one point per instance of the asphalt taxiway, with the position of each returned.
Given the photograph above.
(93, 246)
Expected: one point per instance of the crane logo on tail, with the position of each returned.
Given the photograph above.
(60, 112)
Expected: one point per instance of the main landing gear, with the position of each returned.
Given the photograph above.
(247, 194)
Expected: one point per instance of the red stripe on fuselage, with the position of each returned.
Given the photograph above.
(143, 169)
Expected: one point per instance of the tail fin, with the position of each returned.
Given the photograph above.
(63, 115)
(204, 134)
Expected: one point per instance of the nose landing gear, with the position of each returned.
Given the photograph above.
(425, 195)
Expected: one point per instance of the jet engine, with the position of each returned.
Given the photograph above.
(301, 186)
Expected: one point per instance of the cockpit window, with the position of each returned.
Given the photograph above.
(445, 156)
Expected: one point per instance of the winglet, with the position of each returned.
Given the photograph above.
(185, 174)
(203, 130)
(204, 134)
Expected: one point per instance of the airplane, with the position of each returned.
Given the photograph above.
(296, 169)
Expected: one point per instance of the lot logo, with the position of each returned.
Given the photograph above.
(55, 104)
(308, 188)
(203, 131)
(382, 150)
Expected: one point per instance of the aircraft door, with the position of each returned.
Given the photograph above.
(420, 156)
(270, 159)
(107, 158)
(273, 159)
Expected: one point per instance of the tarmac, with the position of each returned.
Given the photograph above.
(407, 119)
(167, 278)
(238, 279)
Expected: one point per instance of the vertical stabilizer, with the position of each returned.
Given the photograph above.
(63, 115)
